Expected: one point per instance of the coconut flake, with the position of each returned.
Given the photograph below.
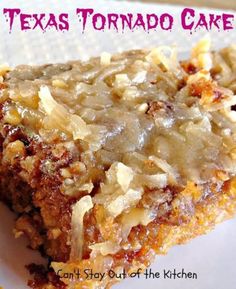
(200, 54)
(124, 176)
(78, 127)
(153, 181)
(140, 77)
(105, 59)
(58, 115)
(122, 80)
(47, 101)
(104, 248)
(202, 74)
(162, 164)
(78, 211)
(137, 216)
(123, 202)
(164, 55)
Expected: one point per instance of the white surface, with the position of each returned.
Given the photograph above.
(51, 46)
(13, 254)
(213, 256)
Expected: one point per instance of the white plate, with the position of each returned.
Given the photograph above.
(212, 256)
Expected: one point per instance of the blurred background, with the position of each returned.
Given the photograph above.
(227, 4)
(36, 47)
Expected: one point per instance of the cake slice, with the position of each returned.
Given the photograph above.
(110, 162)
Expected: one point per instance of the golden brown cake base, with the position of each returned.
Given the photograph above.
(111, 162)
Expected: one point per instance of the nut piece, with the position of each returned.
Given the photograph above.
(12, 117)
(59, 83)
(13, 151)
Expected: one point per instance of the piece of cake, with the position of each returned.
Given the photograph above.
(112, 161)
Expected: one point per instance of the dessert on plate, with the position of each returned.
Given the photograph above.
(112, 161)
